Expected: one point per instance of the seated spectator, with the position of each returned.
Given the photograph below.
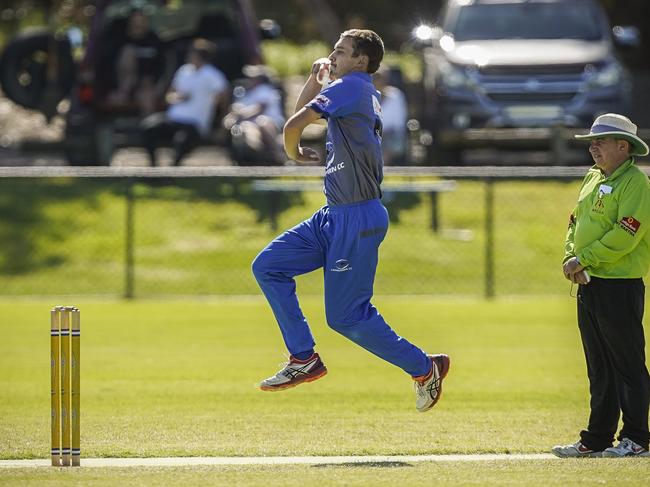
(139, 67)
(394, 115)
(197, 90)
(257, 114)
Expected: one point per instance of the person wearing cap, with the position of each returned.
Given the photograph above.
(607, 253)
(258, 114)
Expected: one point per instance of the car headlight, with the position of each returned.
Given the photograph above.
(609, 75)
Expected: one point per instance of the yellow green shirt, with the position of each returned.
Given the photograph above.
(608, 229)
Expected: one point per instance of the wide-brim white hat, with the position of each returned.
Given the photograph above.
(619, 127)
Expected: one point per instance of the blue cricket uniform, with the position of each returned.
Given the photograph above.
(343, 237)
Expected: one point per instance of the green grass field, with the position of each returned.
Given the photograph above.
(199, 237)
(177, 378)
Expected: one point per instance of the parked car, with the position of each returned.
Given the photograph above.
(515, 63)
(38, 68)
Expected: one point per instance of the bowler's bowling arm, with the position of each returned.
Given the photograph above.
(293, 131)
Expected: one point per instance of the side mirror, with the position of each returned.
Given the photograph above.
(270, 29)
(627, 36)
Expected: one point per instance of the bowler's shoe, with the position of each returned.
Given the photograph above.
(428, 388)
(295, 372)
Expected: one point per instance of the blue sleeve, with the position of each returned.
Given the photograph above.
(340, 98)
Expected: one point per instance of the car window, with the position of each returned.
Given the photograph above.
(530, 20)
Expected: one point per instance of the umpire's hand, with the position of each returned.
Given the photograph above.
(573, 271)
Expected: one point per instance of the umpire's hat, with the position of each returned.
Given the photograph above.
(619, 127)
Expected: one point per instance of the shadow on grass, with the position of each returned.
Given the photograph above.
(25, 223)
(33, 234)
(35, 228)
(218, 190)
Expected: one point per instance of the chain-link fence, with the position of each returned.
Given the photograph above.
(157, 232)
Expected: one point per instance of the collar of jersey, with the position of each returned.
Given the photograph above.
(620, 170)
(359, 74)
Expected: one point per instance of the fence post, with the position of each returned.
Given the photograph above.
(128, 243)
(489, 238)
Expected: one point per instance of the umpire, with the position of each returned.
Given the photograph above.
(607, 253)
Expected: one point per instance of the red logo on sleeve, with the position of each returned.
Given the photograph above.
(630, 224)
(322, 101)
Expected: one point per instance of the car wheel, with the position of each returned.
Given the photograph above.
(24, 66)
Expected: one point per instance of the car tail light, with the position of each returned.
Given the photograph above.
(86, 94)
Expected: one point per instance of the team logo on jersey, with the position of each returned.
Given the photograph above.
(376, 106)
(341, 265)
(322, 101)
(630, 224)
(329, 153)
(332, 167)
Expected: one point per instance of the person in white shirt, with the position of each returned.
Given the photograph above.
(197, 90)
(258, 113)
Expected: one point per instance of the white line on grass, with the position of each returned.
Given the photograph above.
(341, 460)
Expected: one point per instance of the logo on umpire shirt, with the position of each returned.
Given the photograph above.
(341, 265)
(630, 224)
(599, 207)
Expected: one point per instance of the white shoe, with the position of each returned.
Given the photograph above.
(577, 450)
(295, 372)
(428, 388)
(626, 448)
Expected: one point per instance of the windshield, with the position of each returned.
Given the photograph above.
(530, 20)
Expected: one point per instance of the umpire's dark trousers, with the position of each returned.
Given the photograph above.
(610, 314)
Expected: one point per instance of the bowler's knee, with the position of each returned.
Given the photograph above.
(349, 329)
(337, 319)
(260, 267)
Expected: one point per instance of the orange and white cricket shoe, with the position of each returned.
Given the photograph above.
(295, 372)
(428, 388)
(577, 450)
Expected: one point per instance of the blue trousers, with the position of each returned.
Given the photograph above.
(343, 240)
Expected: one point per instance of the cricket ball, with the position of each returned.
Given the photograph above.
(323, 73)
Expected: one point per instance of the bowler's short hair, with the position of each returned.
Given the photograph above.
(368, 43)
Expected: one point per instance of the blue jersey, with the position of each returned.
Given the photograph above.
(354, 163)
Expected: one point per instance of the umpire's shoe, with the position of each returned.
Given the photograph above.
(295, 372)
(428, 388)
(577, 450)
(626, 448)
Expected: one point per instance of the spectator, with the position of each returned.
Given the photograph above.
(394, 115)
(139, 67)
(258, 113)
(197, 90)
